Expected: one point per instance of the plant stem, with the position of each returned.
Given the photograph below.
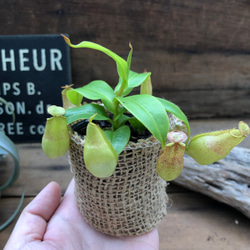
(115, 121)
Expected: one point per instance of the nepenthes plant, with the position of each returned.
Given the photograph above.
(126, 112)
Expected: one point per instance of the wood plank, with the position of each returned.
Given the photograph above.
(203, 85)
(193, 222)
(198, 51)
(197, 222)
(190, 25)
(37, 170)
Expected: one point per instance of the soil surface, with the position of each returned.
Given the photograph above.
(81, 127)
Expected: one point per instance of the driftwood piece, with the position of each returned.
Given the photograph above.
(227, 180)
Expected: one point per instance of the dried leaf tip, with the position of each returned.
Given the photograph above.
(67, 87)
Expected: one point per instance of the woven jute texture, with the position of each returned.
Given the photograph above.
(130, 202)
(133, 200)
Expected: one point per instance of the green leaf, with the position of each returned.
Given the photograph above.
(118, 138)
(9, 147)
(150, 112)
(120, 112)
(176, 111)
(118, 86)
(99, 156)
(120, 62)
(122, 119)
(95, 90)
(85, 112)
(134, 80)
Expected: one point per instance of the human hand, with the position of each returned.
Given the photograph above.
(51, 223)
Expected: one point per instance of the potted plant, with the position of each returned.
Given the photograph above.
(123, 148)
(8, 147)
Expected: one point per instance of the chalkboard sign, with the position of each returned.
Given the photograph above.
(33, 68)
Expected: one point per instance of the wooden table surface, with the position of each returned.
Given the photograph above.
(194, 221)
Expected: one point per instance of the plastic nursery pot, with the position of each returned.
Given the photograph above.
(130, 202)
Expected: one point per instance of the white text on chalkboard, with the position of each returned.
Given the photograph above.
(14, 89)
(42, 59)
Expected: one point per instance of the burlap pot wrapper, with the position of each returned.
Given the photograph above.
(130, 202)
